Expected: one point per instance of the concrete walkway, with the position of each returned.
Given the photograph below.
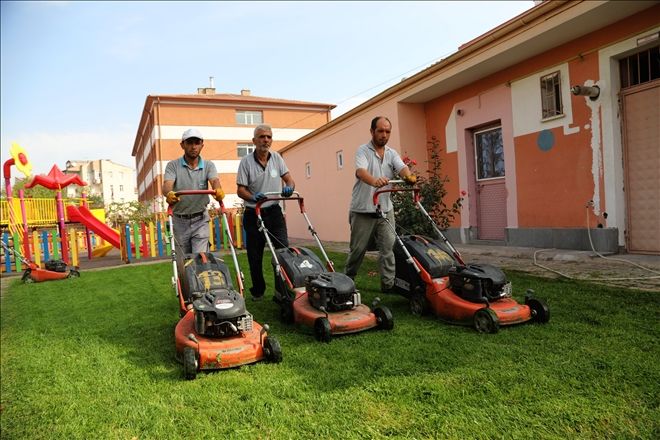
(624, 270)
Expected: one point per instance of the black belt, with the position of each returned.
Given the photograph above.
(262, 209)
(190, 216)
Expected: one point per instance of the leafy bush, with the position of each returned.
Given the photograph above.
(127, 212)
(409, 219)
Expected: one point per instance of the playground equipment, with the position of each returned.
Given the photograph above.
(20, 160)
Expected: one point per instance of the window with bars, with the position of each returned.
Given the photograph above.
(640, 68)
(249, 117)
(243, 150)
(551, 95)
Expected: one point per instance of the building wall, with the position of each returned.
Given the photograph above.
(112, 181)
(555, 167)
(167, 120)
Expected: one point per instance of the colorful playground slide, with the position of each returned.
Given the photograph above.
(83, 215)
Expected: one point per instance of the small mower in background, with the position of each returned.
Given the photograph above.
(308, 294)
(434, 277)
(215, 330)
(55, 269)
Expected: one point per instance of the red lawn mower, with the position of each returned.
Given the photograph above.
(318, 297)
(434, 277)
(215, 331)
(55, 269)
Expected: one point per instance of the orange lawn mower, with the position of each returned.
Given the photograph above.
(54, 269)
(434, 277)
(316, 296)
(215, 330)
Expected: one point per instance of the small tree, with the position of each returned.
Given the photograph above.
(409, 219)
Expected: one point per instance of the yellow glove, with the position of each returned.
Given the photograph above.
(410, 179)
(219, 194)
(172, 198)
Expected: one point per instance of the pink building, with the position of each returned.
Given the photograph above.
(549, 122)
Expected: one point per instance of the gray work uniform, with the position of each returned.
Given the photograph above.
(190, 216)
(366, 227)
(258, 179)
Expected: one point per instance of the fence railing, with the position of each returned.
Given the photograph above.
(38, 211)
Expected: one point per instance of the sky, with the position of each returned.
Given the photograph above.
(75, 75)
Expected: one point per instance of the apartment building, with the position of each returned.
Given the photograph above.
(227, 122)
(113, 181)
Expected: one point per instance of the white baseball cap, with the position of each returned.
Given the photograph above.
(192, 133)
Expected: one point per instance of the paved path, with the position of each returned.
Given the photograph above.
(617, 270)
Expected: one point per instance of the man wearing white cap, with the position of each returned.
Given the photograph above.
(191, 172)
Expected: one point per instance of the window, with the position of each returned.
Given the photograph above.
(340, 159)
(121, 187)
(640, 68)
(551, 95)
(489, 153)
(249, 118)
(308, 170)
(243, 150)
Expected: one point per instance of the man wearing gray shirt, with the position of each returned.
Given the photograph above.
(375, 165)
(190, 172)
(262, 171)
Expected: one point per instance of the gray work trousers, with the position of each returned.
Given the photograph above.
(191, 235)
(367, 229)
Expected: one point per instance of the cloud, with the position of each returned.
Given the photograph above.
(45, 149)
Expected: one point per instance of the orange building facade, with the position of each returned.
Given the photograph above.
(227, 122)
(549, 124)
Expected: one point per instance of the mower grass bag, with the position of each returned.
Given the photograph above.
(431, 254)
(479, 283)
(298, 263)
(332, 291)
(56, 265)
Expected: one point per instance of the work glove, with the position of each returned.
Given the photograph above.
(219, 194)
(259, 196)
(287, 191)
(410, 179)
(172, 198)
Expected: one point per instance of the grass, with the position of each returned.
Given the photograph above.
(94, 358)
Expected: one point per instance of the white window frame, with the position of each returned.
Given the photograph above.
(551, 102)
(308, 170)
(248, 146)
(249, 117)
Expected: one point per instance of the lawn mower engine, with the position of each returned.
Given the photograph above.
(221, 313)
(56, 266)
(479, 283)
(332, 291)
(297, 263)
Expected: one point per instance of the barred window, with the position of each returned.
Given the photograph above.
(551, 95)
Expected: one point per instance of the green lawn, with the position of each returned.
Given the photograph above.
(94, 358)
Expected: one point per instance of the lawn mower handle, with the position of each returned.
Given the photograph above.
(194, 192)
(271, 196)
(414, 189)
